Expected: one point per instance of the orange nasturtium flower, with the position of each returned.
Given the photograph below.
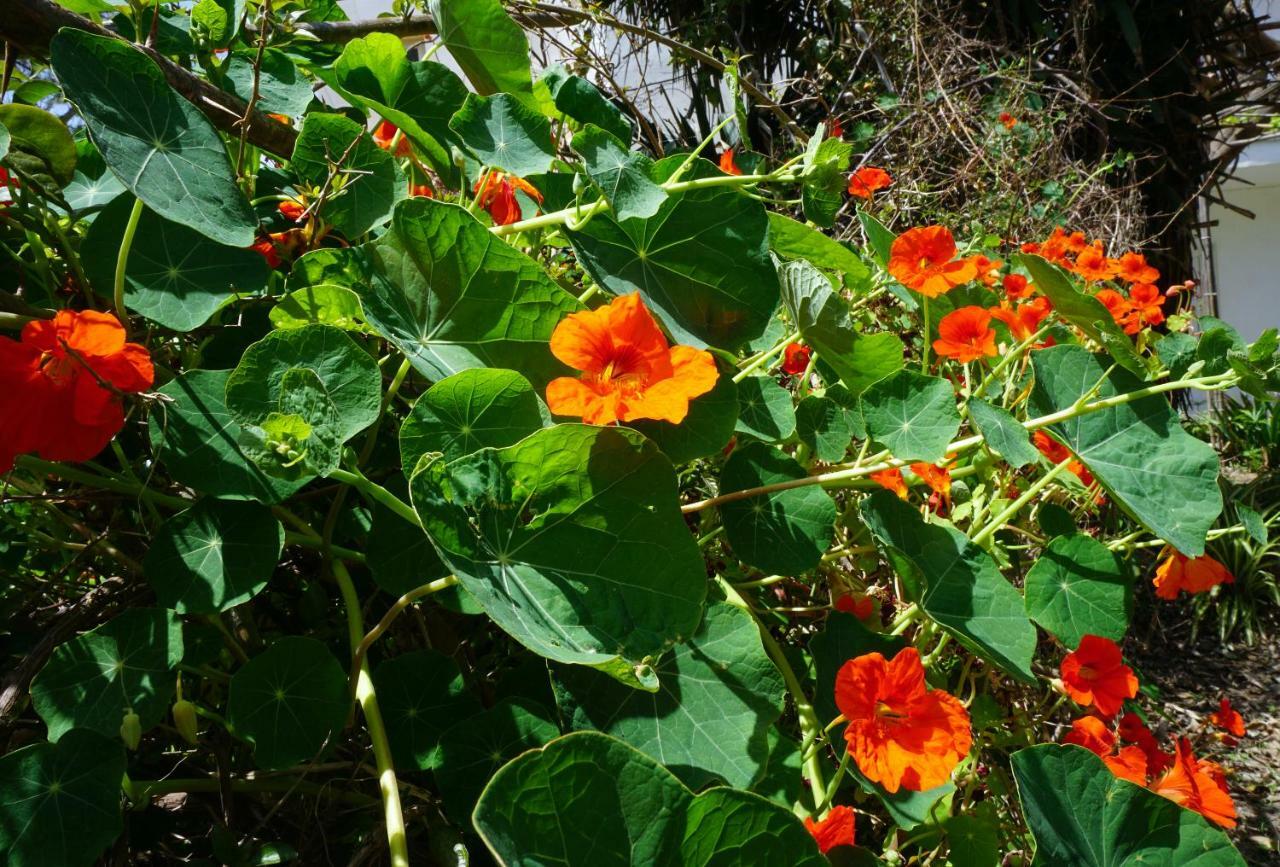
(1146, 307)
(923, 259)
(1093, 265)
(61, 386)
(421, 191)
(859, 605)
(292, 209)
(1092, 734)
(836, 829)
(629, 370)
(966, 335)
(496, 193)
(1197, 785)
(385, 133)
(891, 479)
(937, 478)
(1228, 718)
(867, 181)
(1133, 268)
(900, 733)
(1192, 574)
(1024, 319)
(727, 163)
(1094, 674)
(1007, 120)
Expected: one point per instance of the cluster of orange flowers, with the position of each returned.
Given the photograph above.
(1094, 675)
(62, 386)
(1192, 574)
(1144, 304)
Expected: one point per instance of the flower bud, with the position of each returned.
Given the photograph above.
(131, 730)
(184, 719)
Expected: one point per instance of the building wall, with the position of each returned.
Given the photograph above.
(1246, 252)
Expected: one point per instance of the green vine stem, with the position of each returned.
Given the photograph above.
(810, 728)
(377, 493)
(397, 838)
(122, 262)
(1017, 505)
(840, 478)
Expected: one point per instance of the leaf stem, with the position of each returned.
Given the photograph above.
(759, 360)
(377, 493)
(397, 838)
(122, 261)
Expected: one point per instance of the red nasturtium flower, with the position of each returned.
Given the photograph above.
(292, 209)
(422, 191)
(891, 479)
(795, 359)
(629, 370)
(385, 133)
(859, 605)
(496, 193)
(1197, 785)
(837, 128)
(1024, 319)
(1057, 453)
(1095, 675)
(901, 734)
(1016, 287)
(61, 386)
(966, 335)
(836, 829)
(1192, 574)
(1007, 120)
(1135, 731)
(727, 163)
(923, 259)
(988, 269)
(1228, 718)
(867, 181)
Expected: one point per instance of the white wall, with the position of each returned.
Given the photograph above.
(1246, 253)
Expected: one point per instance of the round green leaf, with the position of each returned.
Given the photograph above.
(588, 800)
(93, 680)
(956, 583)
(503, 133)
(792, 239)
(765, 410)
(622, 174)
(709, 720)
(572, 541)
(705, 431)
(161, 146)
(581, 100)
(826, 423)
(1139, 452)
(175, 276)
(86, 192)
(1077, 587)
(197, 441)
(322, 304)
(421, 694)
(38, 145)
(214, 556)
(914, 416)
(348, 373)
(367, 181)
(469, 411)
(701, 262)
(1003, 433)
(781, 533)
(60, 803)
(473, 749)
(288, 701)
(451, 296)
(1082, 815)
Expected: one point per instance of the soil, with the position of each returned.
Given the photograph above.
(1192, 676)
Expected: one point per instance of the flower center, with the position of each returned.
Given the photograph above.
(888, 713)
(1087, 673)
(58, 368)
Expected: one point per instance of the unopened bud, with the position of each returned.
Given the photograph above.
(131, 730)
(184, 718)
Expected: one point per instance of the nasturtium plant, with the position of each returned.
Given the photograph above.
(419, 443)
